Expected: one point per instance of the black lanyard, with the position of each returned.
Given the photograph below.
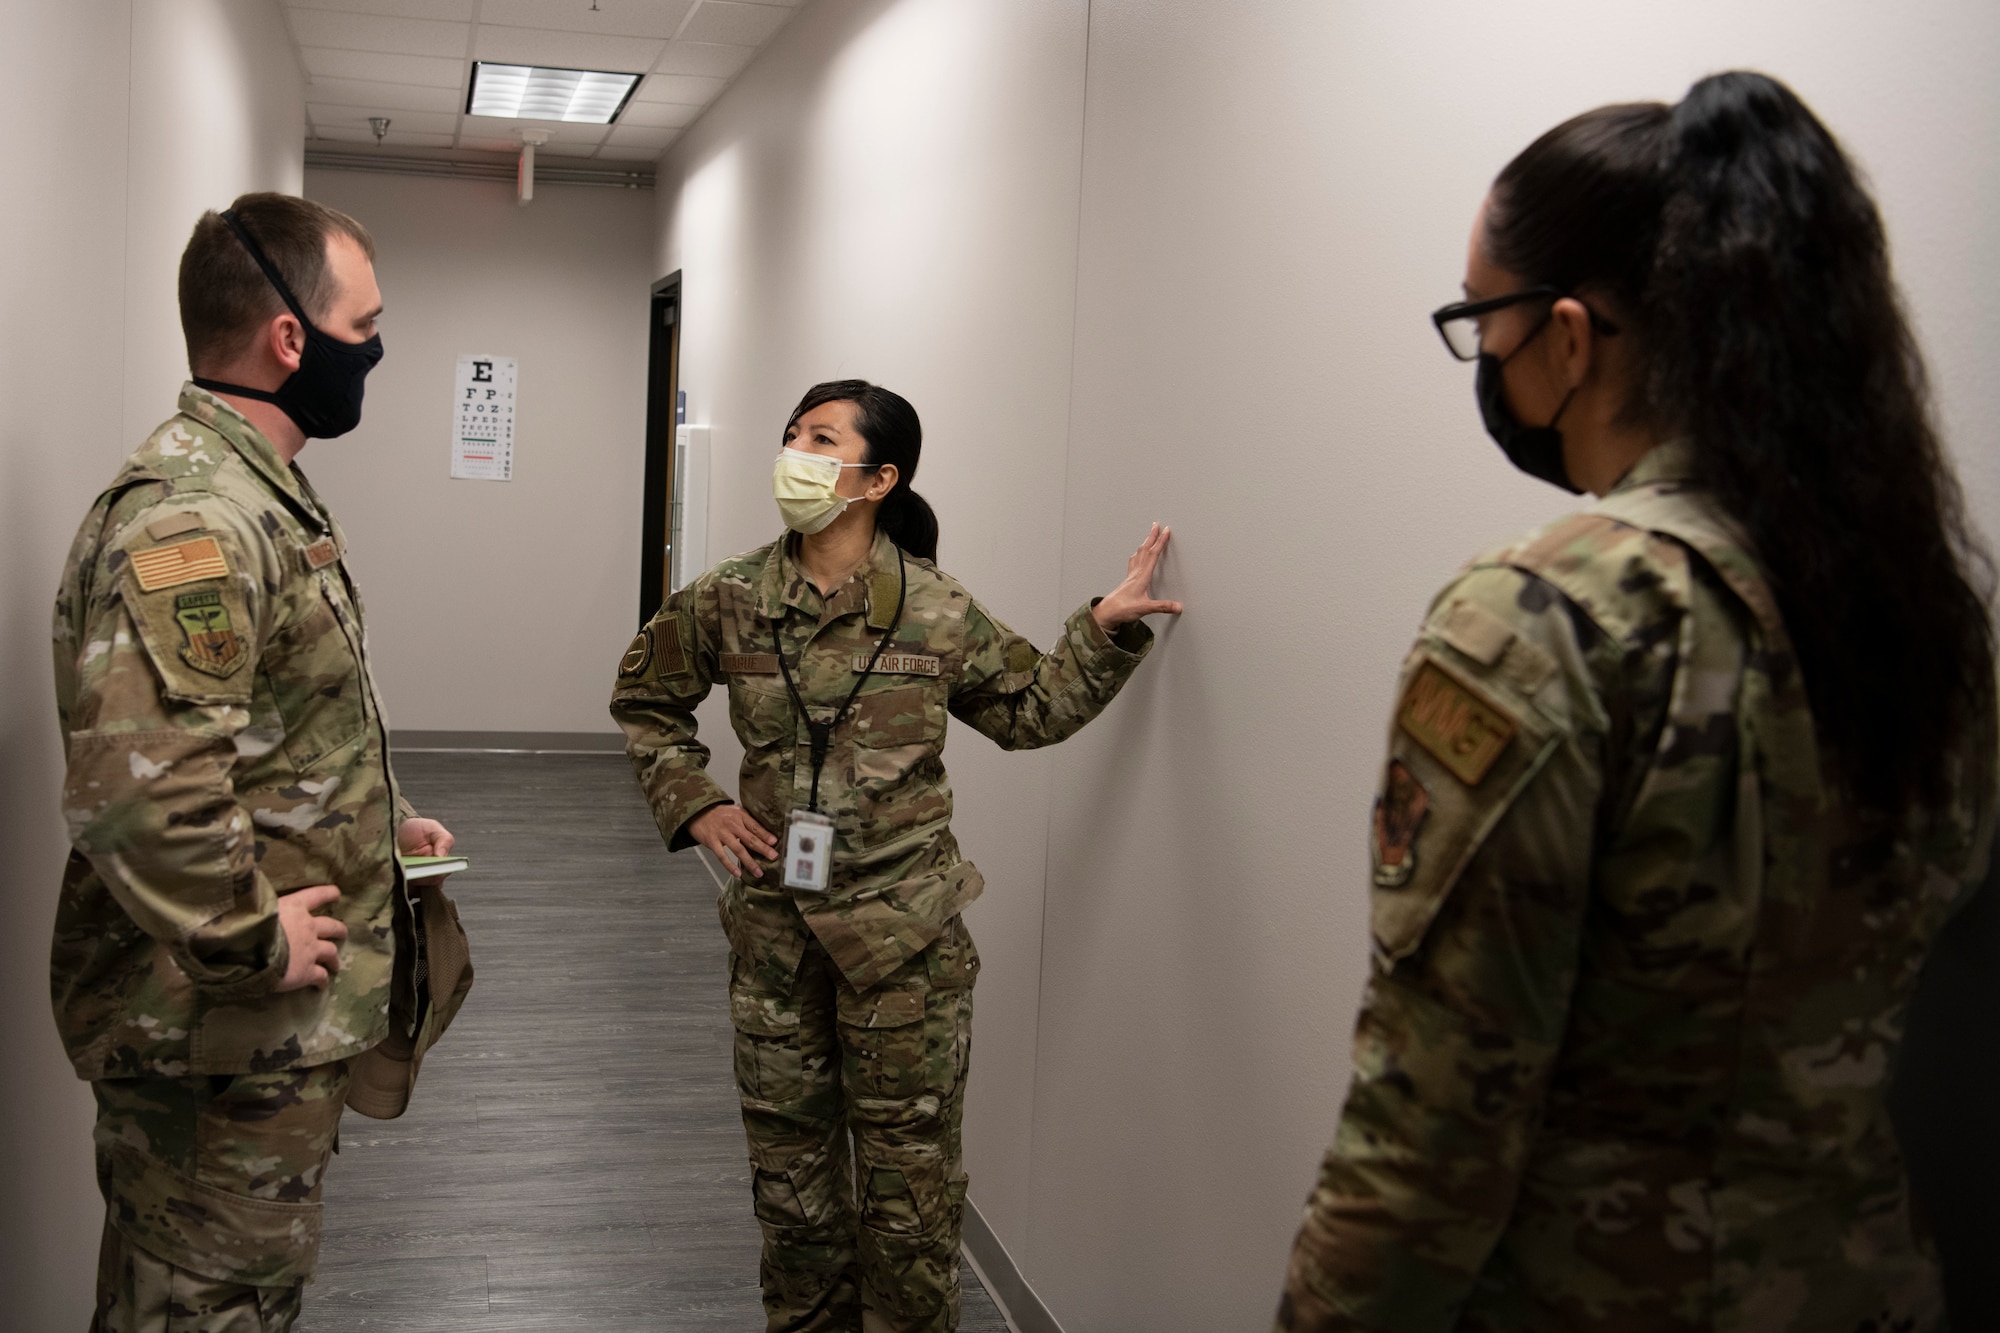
(822, 732)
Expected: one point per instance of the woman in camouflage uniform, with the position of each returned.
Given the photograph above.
(844, 647)
(1679, 788)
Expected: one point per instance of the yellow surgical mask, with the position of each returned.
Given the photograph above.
(804, 486)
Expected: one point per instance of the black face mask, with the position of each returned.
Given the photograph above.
(1536, 450)
(323, 396)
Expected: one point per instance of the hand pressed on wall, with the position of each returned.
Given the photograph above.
(1133, 598)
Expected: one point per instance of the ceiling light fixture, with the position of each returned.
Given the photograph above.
(533, 92)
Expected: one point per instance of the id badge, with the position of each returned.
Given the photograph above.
(809, 851)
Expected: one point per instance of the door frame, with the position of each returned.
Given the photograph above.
(664, 412)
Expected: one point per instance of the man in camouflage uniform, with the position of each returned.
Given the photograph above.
(1638, 974)
(853, 1008)
(228, 934)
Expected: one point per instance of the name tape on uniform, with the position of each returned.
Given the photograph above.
(183, 562)
(901, 664)
(749, 664)
(1460, 728)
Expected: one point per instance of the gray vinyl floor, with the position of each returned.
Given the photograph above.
(573, 1158)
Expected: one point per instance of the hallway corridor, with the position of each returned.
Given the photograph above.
(573, 1158)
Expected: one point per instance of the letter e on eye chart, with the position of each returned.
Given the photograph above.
(482, 418)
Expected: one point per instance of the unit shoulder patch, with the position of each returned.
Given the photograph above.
(210, 644)
(638, 656)
(183, 562)
(1399, 813)
(1461, 728)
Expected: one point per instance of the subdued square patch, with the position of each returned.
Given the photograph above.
(173, 525)
(1461, 728)
(322, 553)
(183, 562)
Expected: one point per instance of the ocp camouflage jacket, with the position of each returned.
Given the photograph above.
(225, 745)
(897, 873)
(1639, 971)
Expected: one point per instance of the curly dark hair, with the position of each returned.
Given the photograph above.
(1738, 240)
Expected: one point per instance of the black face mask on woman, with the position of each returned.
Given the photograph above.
(1536, 450)
(323, 396)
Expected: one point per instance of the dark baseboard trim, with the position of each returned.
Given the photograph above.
(509, 742)
(1017, 1300)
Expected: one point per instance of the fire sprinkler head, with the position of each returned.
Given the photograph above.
(379, 124)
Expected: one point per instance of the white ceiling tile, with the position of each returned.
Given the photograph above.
(642, 136)
(369, 32)
(356, 117)
(612, 152)
(496, 127)
(381, 97)
(691, 89)
(612, 18)
(327, 62)
(566, 50)
(394, 139)
(460, 10)
(727, 21)
(705, 58)
(659, 115)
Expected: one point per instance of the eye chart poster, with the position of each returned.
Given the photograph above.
(482, 432)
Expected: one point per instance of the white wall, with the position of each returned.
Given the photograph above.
(108, 185)
(498, 606)
(217, 108)
(1272, 196)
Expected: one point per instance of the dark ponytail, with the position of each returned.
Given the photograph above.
(894, 435)
(1775, 341)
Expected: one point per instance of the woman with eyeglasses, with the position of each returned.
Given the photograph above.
(843, 647)
(1680, 787)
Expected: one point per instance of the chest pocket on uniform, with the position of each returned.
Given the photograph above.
(315, 680)
(896, 728)
(763, 718)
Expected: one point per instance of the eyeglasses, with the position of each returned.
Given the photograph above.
(1459, 323)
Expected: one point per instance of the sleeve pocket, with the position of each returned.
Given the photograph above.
(198, 636)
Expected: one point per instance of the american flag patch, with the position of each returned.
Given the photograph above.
(183, 562)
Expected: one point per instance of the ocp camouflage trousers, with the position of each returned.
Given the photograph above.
(212, 1197)
(821, 1065)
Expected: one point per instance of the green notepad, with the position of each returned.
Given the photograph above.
(432, 867)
